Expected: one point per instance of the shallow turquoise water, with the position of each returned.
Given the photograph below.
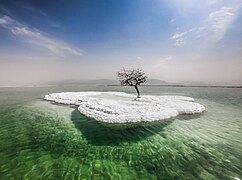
(40, 140)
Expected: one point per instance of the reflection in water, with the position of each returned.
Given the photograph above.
(98, 133)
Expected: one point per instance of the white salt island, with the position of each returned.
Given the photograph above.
(120, 107)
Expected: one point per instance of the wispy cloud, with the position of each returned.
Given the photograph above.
(30, 8)
(37, 38)
(4, 10)
(180, 38)
(5, 20)
(211, 30)
(172, 21)
(178, 35)
(219, 21)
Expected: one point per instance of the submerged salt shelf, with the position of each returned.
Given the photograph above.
(120, 107)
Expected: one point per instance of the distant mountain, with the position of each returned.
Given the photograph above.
(155, 82)
(182, 83)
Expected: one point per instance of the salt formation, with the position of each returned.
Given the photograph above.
(120, 107)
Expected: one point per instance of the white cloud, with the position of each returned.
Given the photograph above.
(178, 35)
(219, 21)
(37, 38)
(139, 58)
(180, 38)
(24, 31)
(210, 30)
(180, 42)
(5, 20)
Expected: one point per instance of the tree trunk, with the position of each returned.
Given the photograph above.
(136, 87)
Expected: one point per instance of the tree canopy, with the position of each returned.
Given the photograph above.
(132, 77)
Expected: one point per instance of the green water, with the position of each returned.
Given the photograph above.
(40, 140)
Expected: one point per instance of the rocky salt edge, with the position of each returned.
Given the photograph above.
(120, 107)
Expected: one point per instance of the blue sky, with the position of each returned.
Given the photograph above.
(172, 40)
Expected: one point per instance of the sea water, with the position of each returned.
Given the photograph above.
(41, 140)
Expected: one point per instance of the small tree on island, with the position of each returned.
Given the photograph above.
(132, 77)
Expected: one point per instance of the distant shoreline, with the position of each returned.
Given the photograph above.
(186, 86)
(35, 86)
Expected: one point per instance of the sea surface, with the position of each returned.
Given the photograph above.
(42, 140)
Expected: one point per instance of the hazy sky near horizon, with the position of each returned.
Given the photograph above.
(172, 40)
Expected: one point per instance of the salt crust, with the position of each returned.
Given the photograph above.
(120, 107)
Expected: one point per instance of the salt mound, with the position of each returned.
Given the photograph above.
(120, 107)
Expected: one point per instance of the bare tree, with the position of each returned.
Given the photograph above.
(132, 77)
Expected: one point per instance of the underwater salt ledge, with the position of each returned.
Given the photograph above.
(120, 107)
